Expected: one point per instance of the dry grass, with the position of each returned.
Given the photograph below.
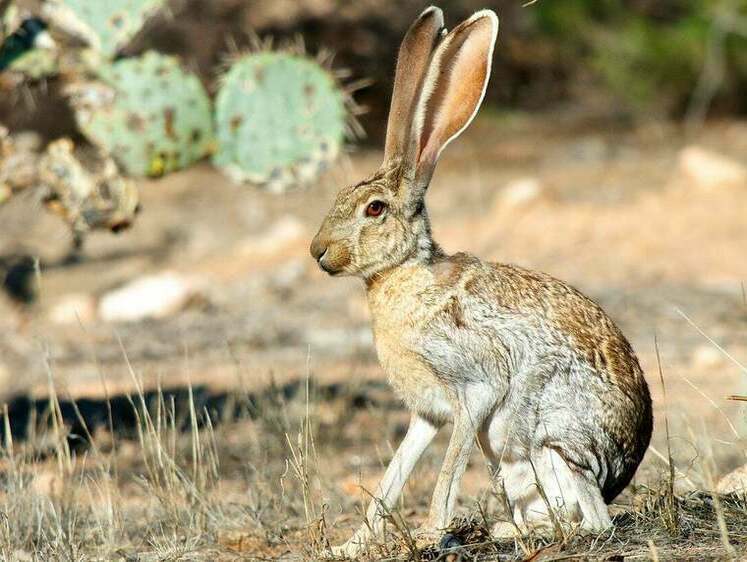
(264, 477)
(184, 473)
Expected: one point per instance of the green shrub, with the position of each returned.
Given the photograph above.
(650, 55)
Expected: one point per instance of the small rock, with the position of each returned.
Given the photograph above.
(154, 296)
(27, 141)
(449, 541)
(74, 308)
(734, 482)
(519, 192)
(707, 357)
(709, 170)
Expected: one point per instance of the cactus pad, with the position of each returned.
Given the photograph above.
(151, 115)
(87, 191)
(107, 25)
(280, 119)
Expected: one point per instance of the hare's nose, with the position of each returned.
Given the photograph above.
(318, 248)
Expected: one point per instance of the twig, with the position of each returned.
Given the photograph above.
(674, 521)
(682, 475)
(712, 341)
(714, 404)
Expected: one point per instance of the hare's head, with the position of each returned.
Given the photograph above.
(381, 222)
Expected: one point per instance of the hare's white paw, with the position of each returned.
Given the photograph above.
(504, 530)
(427, 535)
(349, 550)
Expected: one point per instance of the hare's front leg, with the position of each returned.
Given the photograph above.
(418, 437)
(467, 420)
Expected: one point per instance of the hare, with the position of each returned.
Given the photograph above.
(533, 369)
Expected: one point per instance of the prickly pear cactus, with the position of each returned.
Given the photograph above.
(147, 112)
(88, 193)
(19, 162)
(37, 64)
(106, 25)
(81, 185)
(280, 119)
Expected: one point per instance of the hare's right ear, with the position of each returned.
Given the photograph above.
(413, 62)
(452, 92)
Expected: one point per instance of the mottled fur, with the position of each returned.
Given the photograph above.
(531, 367)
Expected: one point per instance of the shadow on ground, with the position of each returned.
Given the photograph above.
(122, 414)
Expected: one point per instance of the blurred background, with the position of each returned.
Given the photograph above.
(619, 59)
(611, 151)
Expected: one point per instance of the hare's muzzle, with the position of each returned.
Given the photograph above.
(319, 250)
(331, 255)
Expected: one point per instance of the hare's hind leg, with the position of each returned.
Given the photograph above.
(544, 492)
(577, 492)
(596, 516)
(541, 492)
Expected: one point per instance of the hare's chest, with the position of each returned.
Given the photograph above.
(411, 377)
(399, 337)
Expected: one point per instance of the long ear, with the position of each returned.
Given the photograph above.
(453, 89)
(412, 66)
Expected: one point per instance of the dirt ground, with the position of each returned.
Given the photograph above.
(608, 209)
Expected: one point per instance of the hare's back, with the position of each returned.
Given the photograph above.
(549, 311)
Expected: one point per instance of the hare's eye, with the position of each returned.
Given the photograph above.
(375, 208)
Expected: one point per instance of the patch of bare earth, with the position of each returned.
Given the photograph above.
(251, 423)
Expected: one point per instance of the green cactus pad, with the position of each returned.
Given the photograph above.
(107, 25)
(156, 119)
(280, 119)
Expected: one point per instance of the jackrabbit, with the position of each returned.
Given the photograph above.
(531, 367)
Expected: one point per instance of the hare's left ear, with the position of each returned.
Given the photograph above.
(453, 89)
